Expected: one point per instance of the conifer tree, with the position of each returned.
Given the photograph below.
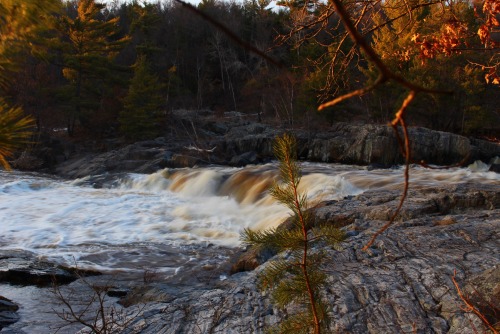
(296, 279)
(144, 104)
(88, 45)
(19, 20)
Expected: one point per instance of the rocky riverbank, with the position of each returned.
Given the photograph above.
(197, 138)
(402, 284)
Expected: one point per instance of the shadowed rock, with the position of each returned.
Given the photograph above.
(250, 143)
(8, 314)
(22, 268)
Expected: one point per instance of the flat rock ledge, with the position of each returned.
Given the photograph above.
(23, 268)
(402, 284)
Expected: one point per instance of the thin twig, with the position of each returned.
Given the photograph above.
(385, 74)
(399, 119)
(358, 92)
(471, 308)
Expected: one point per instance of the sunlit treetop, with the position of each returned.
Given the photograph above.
(19, 19)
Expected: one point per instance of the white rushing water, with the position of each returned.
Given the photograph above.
(96, 220)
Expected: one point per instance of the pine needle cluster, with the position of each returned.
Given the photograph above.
(15, 131)
(295, 279)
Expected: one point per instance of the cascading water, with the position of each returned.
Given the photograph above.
(125, 222)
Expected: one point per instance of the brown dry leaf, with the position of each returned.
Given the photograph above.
(484, 34)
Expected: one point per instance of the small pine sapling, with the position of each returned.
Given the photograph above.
(295, 280)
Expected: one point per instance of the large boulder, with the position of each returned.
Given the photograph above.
(368, 144)
(364, 145)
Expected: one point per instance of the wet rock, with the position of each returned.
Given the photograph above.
(180, 161)
(145, 154)
(217, 128)
(375, 166)
(118, 292)
(244, 159)
(8, 318)
(45, 155)
(483, 292)
(363, 144)
(251, 259)
(494, 168)
(233, 306)
(241, 143)
(22, 268)
(377, 145)
(7, 305)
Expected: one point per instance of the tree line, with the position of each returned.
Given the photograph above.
(121, 68)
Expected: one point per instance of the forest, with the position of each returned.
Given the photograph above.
(91, 71)
(119, 69)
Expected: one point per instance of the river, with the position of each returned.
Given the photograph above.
(167, 221)
(95, 220)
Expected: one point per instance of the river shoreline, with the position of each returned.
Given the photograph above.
(402, 284)
(197, 138)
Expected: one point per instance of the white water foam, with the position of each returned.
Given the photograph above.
(134, 214)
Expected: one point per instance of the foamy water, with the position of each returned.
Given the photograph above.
(133, 219)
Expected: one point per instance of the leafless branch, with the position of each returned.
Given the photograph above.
(471, 308)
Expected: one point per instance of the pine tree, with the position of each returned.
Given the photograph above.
(19, 20)
(296, 279)
(88, 44)
(144, 104)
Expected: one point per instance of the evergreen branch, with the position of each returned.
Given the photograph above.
(298, 324)
(290, 290)
(15, 131)
(275, 239)
(283, 194)
(274, 272)
(331, 235)
(285, 149)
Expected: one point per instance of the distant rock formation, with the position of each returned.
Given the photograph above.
(251, 143)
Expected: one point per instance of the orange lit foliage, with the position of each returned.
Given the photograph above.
(454, 36)
(19, 21)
